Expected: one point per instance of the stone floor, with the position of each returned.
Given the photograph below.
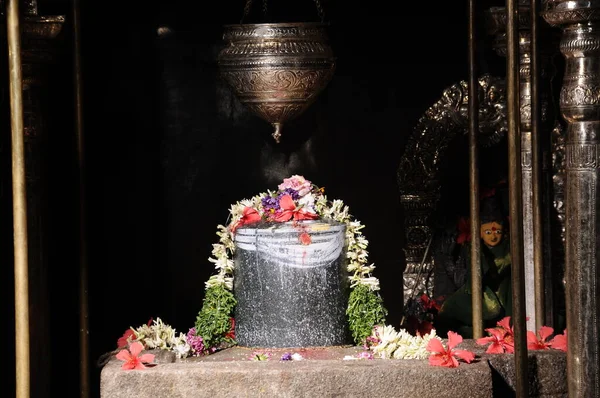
(323, 372)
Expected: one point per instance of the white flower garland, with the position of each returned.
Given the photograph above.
(361, 273)
(162, 336)
(400, 344)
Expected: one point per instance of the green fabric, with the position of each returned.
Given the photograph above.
(456, 311)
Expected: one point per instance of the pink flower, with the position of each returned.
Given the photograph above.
(132, 357)
(500, 340)
(559, 342)
(364, 355)
(298, 183)
(539, 342)
(447, 357)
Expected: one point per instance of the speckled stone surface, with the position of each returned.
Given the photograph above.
(324, 373)
(291, 294)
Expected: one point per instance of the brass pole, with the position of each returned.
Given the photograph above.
(84, 366)
(515, 199)
(19, 201)
(536, 171)
(476, 287)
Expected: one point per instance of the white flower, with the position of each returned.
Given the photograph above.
(182, 350)
(297, 357)
(401, 344)
(307, 202)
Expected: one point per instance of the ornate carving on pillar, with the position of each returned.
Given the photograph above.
(497, 27)
(420, 167)
(40, 46)
(580, 107)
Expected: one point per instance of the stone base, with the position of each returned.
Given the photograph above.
(323, 373)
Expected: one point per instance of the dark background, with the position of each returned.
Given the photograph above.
(168, 149)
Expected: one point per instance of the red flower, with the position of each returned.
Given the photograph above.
(231, 333)
(559, 342)
(289, 211)
(305, 238)
(429, 304)
(500, 340)
(132, 357)
(425, 327)
(464, 231)
(447, 357)
(539, 342)
(487, 193)
(124, 340)
(249, 216)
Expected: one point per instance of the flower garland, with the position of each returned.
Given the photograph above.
(386, 342)
(296, 199)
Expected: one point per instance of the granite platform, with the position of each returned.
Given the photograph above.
(323, 372)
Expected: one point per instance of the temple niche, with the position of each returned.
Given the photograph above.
(170, 146)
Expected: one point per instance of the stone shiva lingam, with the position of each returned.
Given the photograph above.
(292, 272)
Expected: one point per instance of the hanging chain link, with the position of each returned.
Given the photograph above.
(265, 10)
(246, 10)
(320, 10)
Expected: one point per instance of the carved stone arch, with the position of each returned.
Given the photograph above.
(419, 171)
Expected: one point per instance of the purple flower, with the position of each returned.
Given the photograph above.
(286, 357)
(289, 191)
(270, 204)
(195, 342)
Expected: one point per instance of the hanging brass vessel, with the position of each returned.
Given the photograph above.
(277, 69)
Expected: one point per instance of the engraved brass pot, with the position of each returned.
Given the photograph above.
(277, 69)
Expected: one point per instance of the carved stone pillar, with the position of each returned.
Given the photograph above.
(580, 107)
(497, 27)
(418, 274)
(40, 41)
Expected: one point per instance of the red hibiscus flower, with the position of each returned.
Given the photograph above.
(305, 238)
(289, 211)
(464, 231)
(559, 342)
(500, 340)
(124, 340)
(132, 357)
(249, 216)
(487, 193)
(428, 303)
(448, 356)
(539, 342)
(231, 333)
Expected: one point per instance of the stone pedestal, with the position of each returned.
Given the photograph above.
(324, 373)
